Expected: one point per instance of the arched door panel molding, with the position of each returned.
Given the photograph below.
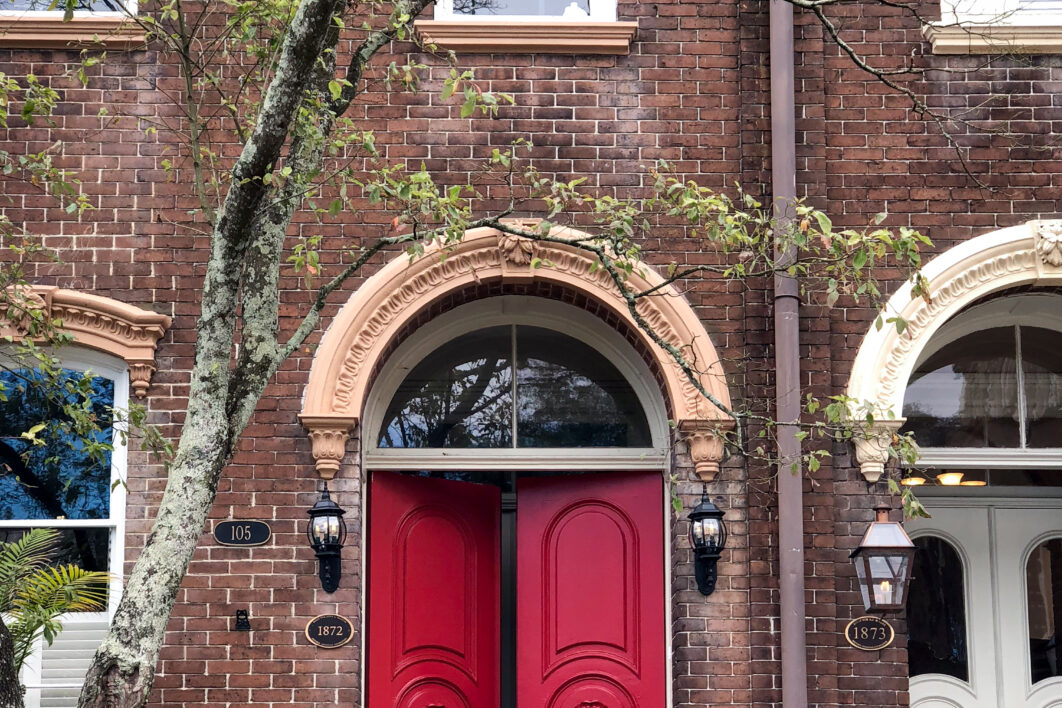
(361, 334)
(1029, 254)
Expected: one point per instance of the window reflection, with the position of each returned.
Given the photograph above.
(936, 611)
(547, 8)
(567, 395)
(966, 395)
(1043, 582)
(88, 549)
(460, 395)
(1041, 359)
(58, 479)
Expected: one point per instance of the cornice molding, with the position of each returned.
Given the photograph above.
(501, 37)
(993, 39)
(101, 323)
(36, 32)
(359, 336)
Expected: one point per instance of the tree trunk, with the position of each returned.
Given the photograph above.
(10, 688)
(123, 668)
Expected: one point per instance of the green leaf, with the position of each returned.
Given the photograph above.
(825, 225)
(335, 89)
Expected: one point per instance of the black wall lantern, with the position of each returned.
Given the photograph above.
(327, 532)
(883, 563)
(707, 539)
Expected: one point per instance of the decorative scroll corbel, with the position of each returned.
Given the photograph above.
(328, 440)
(706, 444)
(872, 447)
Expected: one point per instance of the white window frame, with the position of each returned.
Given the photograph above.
(1016, 13)
(113, 368)
(6, 12)
(1042, 310)
(600, 11)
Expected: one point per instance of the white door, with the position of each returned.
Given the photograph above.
(1030, 615)
(994, 540)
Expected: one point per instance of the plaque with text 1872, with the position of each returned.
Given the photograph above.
(242, 533)
(869, 633)
(329, 631)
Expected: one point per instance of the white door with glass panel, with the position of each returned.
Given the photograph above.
(985, 607)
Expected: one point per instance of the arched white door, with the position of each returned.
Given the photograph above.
(1005, 617)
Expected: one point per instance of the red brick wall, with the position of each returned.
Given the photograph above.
(694, 90)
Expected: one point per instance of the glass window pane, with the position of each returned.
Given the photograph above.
(60, 478)
(88, 549)
(936, 611)
(94, 5)
(460, 395)
(569, 395)
(1043, 576)
(555, 8)
(966, 395)
(1041, 358)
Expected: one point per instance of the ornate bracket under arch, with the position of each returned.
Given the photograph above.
(707, 445)
(1029, 254)
(100, 323)
(359, 336)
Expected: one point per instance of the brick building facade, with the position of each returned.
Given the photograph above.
(692, 88)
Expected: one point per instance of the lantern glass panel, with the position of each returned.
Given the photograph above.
(324, 529)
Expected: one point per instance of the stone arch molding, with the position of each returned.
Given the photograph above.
(1028, 254)
(101, 323)
(358, 338)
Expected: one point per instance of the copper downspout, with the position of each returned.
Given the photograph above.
(787, 364)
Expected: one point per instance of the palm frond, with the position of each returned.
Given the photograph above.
(21, 558)
(64, 588)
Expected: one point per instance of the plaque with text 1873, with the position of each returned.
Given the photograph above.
(329, 631)
(869, 633)
(241, 533)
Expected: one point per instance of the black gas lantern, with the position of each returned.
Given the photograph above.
(327, 532)
(707, 539)
(883, 563)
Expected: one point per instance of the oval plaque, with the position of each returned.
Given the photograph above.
(869, 633)
(329, 631)
(241, 533)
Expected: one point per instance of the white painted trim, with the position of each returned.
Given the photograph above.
(1042, 310)
(991, 457)
(511, 309)
(521, 459)
(996, 261)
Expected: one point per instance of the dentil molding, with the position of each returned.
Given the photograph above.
(359, 337)
(96, 322)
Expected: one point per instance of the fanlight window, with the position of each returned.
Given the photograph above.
(936, 611)
(1043, 582)
(514, 386)
(998, 387)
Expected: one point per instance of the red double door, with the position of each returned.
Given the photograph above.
(588, 597)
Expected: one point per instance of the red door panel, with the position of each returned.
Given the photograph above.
(433, 593)
(590, 600)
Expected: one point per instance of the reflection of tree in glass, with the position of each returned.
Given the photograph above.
(467, 406)
(67, 474)
(473, 7)
(97, 5)
(569, 395)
